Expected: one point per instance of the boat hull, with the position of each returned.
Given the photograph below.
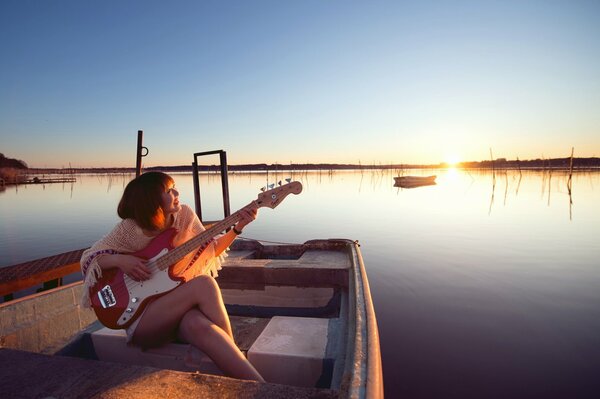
(414, 181)
(321, 280)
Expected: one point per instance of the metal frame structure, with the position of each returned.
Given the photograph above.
(224, 181)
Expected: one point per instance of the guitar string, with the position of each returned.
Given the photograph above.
(162, 264)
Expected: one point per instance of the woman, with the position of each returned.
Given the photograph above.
(194, 311)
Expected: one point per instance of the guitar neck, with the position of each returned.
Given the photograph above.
(269, 199)
(201, 239)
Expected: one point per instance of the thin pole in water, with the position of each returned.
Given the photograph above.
(139, 154)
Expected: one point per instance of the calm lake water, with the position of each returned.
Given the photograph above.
(481, 289)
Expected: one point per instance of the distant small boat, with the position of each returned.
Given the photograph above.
(414, 181)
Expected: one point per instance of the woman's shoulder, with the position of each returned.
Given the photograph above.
(121, 235)
(186, 210)
(126, 228)
(127, 225)
(185, 217)
(185, 214)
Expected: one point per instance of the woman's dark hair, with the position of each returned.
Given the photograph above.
(141, 200)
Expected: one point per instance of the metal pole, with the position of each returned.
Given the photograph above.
(196, 188)
(225, 183)
(138, 158)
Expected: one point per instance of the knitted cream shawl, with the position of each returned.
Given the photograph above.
(128, 237)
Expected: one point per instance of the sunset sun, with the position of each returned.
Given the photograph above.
(452, 159)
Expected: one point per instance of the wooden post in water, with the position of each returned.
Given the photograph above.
(139, 155)
(571, 170)
(570, 185)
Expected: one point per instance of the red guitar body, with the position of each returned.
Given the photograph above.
(119, 300)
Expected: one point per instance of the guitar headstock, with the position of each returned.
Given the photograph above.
(272, 198)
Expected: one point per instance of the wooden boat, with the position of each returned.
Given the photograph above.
(414, 181)
(302, 314)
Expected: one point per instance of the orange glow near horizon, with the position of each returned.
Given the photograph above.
(452, 160)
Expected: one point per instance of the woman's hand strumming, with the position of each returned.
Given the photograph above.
(133, 266)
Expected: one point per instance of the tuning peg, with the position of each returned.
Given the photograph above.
(289, 180)
(271, 185)
(263, 189)
(279, 183)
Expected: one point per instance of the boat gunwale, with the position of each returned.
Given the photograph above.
(364, 376)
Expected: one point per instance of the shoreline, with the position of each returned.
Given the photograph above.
(498, 164)
(310, 168)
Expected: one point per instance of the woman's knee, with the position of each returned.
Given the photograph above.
(196, 323)
(205, 284)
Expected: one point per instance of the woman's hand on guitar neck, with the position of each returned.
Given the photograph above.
(247, 216)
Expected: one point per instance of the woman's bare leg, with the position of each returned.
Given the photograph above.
(195, 308)
(162, 317)
(199, 331)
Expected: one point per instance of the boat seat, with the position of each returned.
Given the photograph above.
(295, 351)
(111, 345)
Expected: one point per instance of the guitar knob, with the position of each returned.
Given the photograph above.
(263, 189)
(129, 310)
(289, 180)
(279, 183)
(134, 299)
(271, 186)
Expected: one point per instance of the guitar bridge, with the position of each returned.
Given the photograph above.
(106, 297)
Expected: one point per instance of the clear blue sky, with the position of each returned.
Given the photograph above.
(298, 81)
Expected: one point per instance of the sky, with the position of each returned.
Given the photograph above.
(417, 82)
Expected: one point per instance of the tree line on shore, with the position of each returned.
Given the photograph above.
(9, 168)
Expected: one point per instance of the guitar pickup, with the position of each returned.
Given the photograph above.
(106, 297)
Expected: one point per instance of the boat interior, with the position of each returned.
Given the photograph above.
(285, 305)
(292, 309)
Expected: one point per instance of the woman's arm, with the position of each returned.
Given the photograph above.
(221, 244)
(106, 253)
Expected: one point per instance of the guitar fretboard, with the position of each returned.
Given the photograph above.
(201, 239)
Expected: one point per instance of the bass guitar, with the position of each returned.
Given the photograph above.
(118, 300)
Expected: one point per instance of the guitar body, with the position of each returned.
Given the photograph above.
(119, 300)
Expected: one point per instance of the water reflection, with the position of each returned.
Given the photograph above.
(557, 182)
(475, 296)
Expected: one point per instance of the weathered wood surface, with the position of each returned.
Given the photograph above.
(24, 275)
(294, 274)
(40, 376)
(246, 330)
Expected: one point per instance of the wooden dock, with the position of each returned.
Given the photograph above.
(38, 180)
(28, 274)
(47, 180)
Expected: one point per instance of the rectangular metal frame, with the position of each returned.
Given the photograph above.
(224, 182)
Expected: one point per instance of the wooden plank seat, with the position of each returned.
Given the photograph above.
(313, 268)
(297, 351)
(111, 345)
